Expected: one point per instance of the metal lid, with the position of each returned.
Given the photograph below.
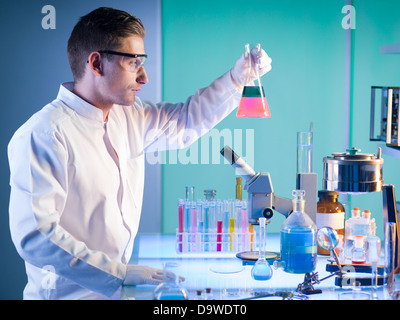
(354, 154)
(353, 172)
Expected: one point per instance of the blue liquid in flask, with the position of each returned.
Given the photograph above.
(298, 250)
(298, 239)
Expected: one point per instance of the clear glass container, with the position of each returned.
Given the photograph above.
(253, 103)
(304, 151)
(373, 256)
(349, 235)
(170, 288)
(298, 239)
(358, 252)
(392, 285)
(261, 269)
(330, 213)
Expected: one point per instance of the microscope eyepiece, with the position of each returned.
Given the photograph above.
(229, 155)
(242, 168)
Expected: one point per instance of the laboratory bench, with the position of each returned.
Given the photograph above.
(228, 277)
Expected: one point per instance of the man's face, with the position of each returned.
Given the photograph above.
(120, 83)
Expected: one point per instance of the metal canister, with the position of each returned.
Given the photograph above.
(353, 172)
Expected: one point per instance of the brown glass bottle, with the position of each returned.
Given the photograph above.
(330, 213)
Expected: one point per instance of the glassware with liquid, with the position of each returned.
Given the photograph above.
(170, 288)
(253, 103)
(330, 213)
(261, 269)
(298, 239)
(358, 252)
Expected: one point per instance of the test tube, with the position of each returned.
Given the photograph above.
(239, 188)
(238, 220)
(200, 216)
(181, 208)
(186, 227)
(225, 225)
(251, 231)
(212, 226)
(218, 214)
(193, 223)
(231, 227)
(190, 193)
(187, 217)
(244, 224)
(206, 225)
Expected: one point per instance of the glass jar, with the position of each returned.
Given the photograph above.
(330, 213)
(298, 239)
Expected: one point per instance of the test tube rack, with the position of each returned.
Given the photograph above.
(209, 225)
(234, 242)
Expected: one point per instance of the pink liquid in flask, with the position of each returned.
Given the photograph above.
(253, 104)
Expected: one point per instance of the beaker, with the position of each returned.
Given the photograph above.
(170, 288)
(253, 103)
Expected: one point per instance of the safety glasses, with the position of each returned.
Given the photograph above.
(131, 62)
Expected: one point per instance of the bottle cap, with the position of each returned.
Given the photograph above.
(366, 214)
(325, 194)
(355, 212)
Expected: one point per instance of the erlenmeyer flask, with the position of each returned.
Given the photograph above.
(253, 103)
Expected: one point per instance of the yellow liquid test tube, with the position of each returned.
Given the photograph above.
(231, 230)
(251, 230)
(239, 188)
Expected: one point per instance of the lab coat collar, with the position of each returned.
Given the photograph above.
(79, 105)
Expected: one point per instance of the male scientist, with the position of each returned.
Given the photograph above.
(77, 165)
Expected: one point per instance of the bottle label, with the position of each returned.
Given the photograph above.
(333, 220)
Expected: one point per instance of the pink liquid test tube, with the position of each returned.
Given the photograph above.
(219, 235)
(181, 207)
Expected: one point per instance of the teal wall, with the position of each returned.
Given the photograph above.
(202, 39)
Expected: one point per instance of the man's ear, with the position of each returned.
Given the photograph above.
(95, 63)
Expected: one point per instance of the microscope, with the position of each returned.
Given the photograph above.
(261, 197)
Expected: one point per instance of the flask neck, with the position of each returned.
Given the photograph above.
(298, 205)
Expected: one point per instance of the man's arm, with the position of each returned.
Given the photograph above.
(39, 187)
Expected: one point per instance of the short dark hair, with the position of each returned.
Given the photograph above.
(101, 29)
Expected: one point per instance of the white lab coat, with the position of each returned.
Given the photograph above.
(77, 184)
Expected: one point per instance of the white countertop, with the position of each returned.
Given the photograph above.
(203, 270)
